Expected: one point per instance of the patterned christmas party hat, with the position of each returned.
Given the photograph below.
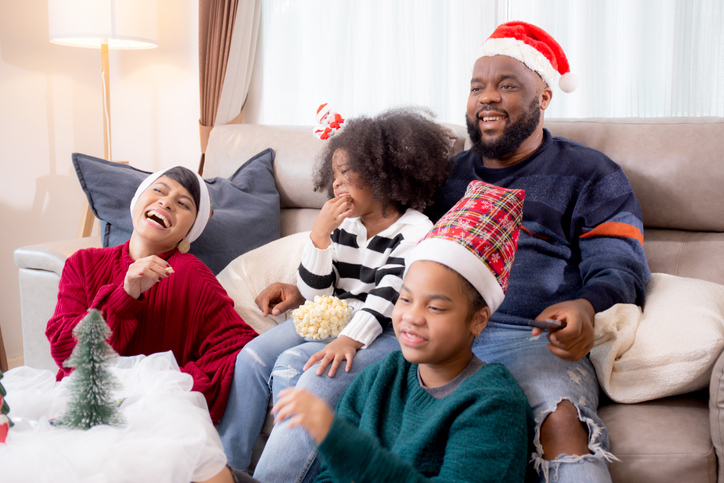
(534, 47)
(477, 238)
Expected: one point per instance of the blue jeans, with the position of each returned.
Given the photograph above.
(269, 363)
(547, 380)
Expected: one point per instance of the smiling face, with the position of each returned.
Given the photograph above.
(347, 182)
(162, 217)
(433, 321)
(505, 108)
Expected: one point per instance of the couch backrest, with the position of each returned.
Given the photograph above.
(675, 165)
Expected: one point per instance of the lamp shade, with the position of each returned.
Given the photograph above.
(122, 24)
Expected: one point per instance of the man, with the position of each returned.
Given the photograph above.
(580, 250)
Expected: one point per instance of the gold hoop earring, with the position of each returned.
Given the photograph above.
(184, 246)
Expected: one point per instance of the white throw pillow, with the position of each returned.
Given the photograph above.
(247, 275)
(668, 348)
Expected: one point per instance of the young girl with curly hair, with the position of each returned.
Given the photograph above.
(380, 174)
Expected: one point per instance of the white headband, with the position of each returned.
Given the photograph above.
(203, 212)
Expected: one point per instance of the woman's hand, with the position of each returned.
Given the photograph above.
(143, 274)
(341, 348)
(332, 215)
(278, 297)
(304, 409)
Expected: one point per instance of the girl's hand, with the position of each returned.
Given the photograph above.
(304, 409)
(335, 352)
(332, 215)
(143, 274)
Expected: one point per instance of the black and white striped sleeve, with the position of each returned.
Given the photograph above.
(369, 322)
(316, 274)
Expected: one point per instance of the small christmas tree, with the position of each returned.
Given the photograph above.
(91, 403)
(5, 422)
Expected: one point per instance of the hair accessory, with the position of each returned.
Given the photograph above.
(204, 211)
(477, 238)
(329, 121)
(534, 47)
(184, 246)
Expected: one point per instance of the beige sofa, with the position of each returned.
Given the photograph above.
(676, 167)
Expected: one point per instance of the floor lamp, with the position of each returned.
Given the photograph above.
(104, 24)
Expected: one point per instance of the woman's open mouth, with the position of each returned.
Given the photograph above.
(158, 218)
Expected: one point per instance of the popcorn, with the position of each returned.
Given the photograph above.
(322, 318)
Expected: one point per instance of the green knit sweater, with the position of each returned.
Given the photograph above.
(388, 429)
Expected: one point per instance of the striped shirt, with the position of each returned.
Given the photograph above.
(367, 273)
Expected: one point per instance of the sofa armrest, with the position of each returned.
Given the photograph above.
(40, 269)
(51, 256)
(716, 411)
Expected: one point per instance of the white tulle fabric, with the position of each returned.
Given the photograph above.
(168, 435)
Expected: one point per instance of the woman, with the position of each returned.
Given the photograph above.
(154, 296)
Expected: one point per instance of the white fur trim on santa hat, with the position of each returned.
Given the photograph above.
(522, 52)
(203, 213)
(463, 261)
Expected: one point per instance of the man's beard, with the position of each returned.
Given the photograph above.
(513, 136)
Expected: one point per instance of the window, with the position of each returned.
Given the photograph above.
(634, 58)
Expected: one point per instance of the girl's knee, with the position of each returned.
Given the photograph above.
(293, 357)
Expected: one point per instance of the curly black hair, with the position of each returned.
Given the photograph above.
(402, 155)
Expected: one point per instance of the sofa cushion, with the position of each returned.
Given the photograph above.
(246, 206)
(247, 275)
(663, 440)
(668, 348)
(674, 164)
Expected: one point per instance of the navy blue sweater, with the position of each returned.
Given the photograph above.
(582, 232)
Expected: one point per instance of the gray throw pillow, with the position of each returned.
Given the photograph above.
(246, 206)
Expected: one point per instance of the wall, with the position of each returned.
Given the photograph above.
(50, 107)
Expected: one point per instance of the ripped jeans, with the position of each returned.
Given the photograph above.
(547, 380)
(266, 365)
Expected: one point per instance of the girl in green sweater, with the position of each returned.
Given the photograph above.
(433, 411)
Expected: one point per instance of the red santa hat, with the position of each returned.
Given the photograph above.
(534, 47)
(477, 238)
(322, 110)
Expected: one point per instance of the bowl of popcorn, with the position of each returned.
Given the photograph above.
(322, 318)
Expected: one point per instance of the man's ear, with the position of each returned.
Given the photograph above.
(480, 321)
(545, 98)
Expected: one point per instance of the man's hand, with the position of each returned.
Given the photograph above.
(279, 297)
(304, 409)
(143, 274)
(332, 215)
(575, 340)
(341, 348)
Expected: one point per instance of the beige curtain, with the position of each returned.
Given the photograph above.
(228, 31)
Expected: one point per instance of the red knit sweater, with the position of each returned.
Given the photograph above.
(188, 313)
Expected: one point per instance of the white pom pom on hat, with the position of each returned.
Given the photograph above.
(535, 48)
(568, 82)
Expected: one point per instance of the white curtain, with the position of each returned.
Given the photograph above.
(635, 58)
(241, 59)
